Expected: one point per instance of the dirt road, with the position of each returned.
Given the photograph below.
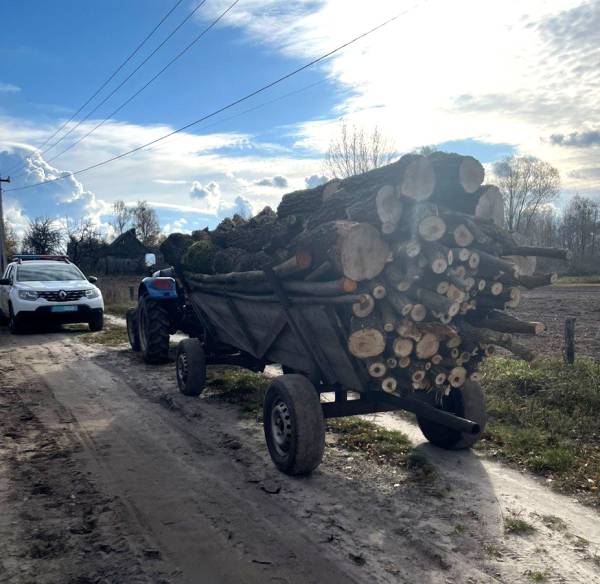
(107, 474)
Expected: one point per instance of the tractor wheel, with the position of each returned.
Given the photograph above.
(153, 321)
(294, 424)
(133, 333)
(467, 402)
(190, 366)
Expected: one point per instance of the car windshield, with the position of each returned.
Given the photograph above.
(48, 273)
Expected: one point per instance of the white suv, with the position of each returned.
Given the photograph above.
(49, 288)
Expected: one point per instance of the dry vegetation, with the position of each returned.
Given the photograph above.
(115, 291)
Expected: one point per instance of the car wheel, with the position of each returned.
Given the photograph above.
(153, 326)
(13, 322)
(96, 322)
(294, 425)
(190, 365)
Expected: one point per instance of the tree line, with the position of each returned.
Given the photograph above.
(50, 235)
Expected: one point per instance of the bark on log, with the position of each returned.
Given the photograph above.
(503, 322)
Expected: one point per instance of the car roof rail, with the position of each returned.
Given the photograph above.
(23, 257)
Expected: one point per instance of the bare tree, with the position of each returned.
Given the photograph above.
(528, 184)
(10, 240)
(357, 150)
(146, 223)
(84, 243)
(122, 217)
(44, 235)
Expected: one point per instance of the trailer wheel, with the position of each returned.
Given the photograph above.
(467, 402)
(294, 424)
(190, 365)
(133, 333)
(153, 327)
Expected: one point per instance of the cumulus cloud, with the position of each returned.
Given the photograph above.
(177, 226)
(165, 181)
(66, 198)
(577, 139)
(314, 181)
(280, 182)
(9, 88)
(209, 195)
(241, 206)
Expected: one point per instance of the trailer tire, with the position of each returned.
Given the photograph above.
(133, 332)
(467, 402)
(153, 328)
(294, 424)
(190, 366)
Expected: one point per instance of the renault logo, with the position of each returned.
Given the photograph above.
(62, 294)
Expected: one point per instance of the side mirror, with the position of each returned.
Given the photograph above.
(150, 260)
(92, 279)
(4, 282)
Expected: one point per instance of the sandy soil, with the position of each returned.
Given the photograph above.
(108, 474)
(551, 306)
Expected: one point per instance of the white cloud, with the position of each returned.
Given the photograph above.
(314, 181)
(177, 226)
(9, 88)
(209, 196)
(164, 181)
(278, 181)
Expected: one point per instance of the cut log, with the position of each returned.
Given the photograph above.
(364, 307)
(355, 250)
(389, 316)
(500, 321)
(377, 289)
(490, 205)
(389, 207)
(540, 252)
(321, 272)
(409, 248)
(455, 172)
(403, 347)
(401, 304)
(431, 228)
(366, 342)
(435, 302)
(376, 367)
(457, 376)
(418, 312)
(437, 256)
(427, 347)
(389, 385)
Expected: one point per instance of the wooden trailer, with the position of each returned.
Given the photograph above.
(310, 343)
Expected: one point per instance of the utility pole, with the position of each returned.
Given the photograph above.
(3, 259)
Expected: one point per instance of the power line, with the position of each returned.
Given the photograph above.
(131, 98)
(220, 110)
(87, 116)
(109, 79)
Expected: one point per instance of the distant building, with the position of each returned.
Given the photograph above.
(124, 255)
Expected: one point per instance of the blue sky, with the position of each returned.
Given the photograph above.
(530, 87)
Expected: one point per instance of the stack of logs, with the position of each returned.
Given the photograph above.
(413, 255)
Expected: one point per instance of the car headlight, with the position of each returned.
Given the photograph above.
(28, 295)
(92, 293)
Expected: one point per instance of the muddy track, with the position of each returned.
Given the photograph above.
(175, 489)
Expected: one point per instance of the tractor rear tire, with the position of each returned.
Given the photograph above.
(294, 424)
(154, 325)
(190, 365)
(133, 332)
(467, 402)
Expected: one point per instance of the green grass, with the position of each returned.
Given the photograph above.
(577, 280)
(238, 386)
(537, 575)
(111, 336)
(517, 526)
(380, 445)
(545, 417)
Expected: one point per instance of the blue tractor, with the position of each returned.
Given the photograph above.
(160, 312)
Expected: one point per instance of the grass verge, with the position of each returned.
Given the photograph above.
(111, 336)
(247, 390)
(545, 417)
